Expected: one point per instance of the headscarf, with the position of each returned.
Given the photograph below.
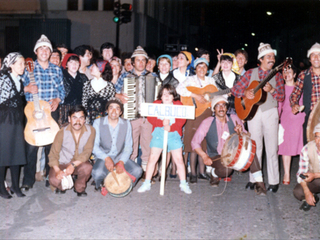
(235, 67)
(66, 59)
(10, 59)
(101, 65)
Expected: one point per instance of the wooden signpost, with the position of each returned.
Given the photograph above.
(166, 111)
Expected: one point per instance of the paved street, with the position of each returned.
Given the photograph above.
(235, 214)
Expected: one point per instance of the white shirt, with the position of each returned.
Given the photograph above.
(98, 84)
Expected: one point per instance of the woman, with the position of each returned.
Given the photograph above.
(228, 77)
(185, 61)
(164, 63)
(116, 69)
(199, 80)
(98, 91)
(292, 125)
(73, 82)
(12, 144)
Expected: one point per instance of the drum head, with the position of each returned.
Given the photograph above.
(230, 146)
(314, 119)
(121, 190)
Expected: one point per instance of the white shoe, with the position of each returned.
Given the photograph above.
(144, 187)
(185, 188)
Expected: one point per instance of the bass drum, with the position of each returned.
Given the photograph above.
(239, 151)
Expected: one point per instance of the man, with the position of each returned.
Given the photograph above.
(85, 56)
(55, 57)
(63, 49)
(49, 86)
(126, 59)
(151, 63)
(266, 120)
(308, 175)
(113, 145)
(216, 130)
(308, 83)
(71, 151)
(242, 59)
(141, 128)
(107, 51)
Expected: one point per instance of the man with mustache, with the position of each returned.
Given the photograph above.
(307, 83)
(264, 124)
(216, 130)
(71, 150)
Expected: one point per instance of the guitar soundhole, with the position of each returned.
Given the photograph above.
(243, 104)
(38, 114)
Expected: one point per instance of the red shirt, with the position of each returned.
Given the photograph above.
(177, 126)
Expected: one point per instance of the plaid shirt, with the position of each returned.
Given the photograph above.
(304, 162)
(298, 89)
(119, 84)
(278, 94)
(49, 82)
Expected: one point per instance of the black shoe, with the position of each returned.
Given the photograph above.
(47, 183)
(193, 179)
(214, 181)
(17, 192)
(203, 176)
(97, 189)
(5, 195)
(58, 191)
(82, 194)
(25, 187)
(250, 185)
(173, 175)
(93, 183)
(273, 188)
(305, 206)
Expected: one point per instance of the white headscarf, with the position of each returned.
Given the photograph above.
(10, 59)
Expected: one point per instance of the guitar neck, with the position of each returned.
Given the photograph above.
(34, 95)
(268, 78)
(222, 92)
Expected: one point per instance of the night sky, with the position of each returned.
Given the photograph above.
(292, 29)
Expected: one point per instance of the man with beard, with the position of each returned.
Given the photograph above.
(71, 150)
(266, 120)
(216, 130)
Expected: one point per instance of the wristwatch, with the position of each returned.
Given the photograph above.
(73, 165)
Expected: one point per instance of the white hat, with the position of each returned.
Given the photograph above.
(316, 128)
(43, 41)
(314, 48)
(217, 99)
(264, 49)
(139, 52)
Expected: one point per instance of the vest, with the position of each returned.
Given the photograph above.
(313, 157)
(307, 91)
(213, 139)
(270, 102)
(68, 147)
(106, 138)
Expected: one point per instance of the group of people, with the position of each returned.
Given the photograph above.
(87, 100)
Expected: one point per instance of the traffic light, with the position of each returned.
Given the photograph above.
(122, 16)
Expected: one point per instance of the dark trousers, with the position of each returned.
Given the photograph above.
(29, 170)
(222, 171)
(313, 186)
(83, 173)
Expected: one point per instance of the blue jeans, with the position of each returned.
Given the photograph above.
(99, 171)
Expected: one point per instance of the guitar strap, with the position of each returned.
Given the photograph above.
(307, 91)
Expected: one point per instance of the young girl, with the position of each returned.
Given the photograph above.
(167, 95)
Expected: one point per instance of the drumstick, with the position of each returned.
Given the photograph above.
(115, 177)
(228, 155)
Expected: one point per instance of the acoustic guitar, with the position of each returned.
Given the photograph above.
(208, 92)
(41, 128)
(247, 108)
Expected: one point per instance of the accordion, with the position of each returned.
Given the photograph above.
(142, 89)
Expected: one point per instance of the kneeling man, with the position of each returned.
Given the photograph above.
(71, 150)
(113, 145)
(308, 175)
(216, 130)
